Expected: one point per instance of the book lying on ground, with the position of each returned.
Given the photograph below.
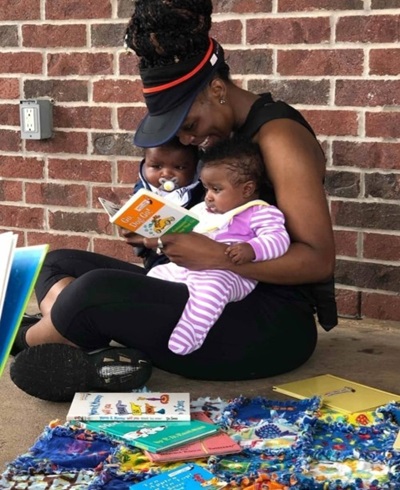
(338, 393)
(186, 477)
(213, 445)
(19, 268)
(130, 406)
(154, 436)
(150, 215)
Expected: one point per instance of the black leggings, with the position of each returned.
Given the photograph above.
(260, 336)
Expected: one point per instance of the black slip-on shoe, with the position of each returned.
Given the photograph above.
(55, 372)
(26, 323)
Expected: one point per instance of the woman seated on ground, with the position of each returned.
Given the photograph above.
(89, 300)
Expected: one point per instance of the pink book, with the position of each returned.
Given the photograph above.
(219, 443)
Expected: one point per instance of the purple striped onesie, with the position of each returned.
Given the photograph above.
(257, 223)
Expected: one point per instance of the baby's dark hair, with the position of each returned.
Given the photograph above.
(164, 32)
(175, 144)
(241, 157)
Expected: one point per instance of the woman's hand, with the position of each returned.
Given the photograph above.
(192, 250)
(132, 239)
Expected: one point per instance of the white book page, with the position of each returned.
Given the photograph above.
(8, 242)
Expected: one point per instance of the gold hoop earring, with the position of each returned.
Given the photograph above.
(222, 101)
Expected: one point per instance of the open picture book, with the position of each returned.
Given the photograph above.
(150, 215)
(19, 269)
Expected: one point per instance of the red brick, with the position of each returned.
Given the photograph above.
(383, 124)
(61, 142)
(114, 144)
(321, 62)
(384, 62)
(127, 171)
(53, 36)
(255, 61)
(371, 215)
(87, 222)
(80, 170)
(10, 140)
(338, 123)
(381, 306)
(346, 243)
(10, 190)
(9, 115)
(59, 90)
(8, 36)
(368, 29)
(381, 247)
(128, 64)
(367, 155)
(9, 88)
(63, 64)
(57, 241)
(130, 117)
(108, 35)
(116, 248)
(288, 31)
(82, 117)
(22, 62)
(75, 9)
(21, 167)
(112, 193)
(117, 91)
(382, 185)
(367, 92)
(15, 10)
(315, 92)
(242, 6)
(22, 217)
(56, 194)
(301, 5)
(384, 4)
(348, 302)
(227, 31)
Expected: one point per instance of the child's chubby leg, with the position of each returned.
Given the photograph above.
(209, 292)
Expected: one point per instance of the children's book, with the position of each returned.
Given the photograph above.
(186, 477)
(19, 268)
(149, 407)
(150, 215)
(220, 443)
(154, 436)
(338, 393)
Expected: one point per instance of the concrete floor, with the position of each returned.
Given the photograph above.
(360, 350)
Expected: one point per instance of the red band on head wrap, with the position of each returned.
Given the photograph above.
(189, 75)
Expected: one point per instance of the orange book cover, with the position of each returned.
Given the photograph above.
(220, 443)
(150, 215)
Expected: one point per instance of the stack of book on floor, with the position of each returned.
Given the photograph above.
(161, 424)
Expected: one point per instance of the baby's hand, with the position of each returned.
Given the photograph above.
(240, 253)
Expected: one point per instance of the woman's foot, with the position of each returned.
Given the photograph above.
(55, 372)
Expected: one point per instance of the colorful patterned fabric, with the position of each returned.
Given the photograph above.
(286, 445)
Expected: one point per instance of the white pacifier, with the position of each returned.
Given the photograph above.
(168, 185)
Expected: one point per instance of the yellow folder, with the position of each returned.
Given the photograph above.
(340, 394)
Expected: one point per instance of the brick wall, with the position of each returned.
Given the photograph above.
(338, 61)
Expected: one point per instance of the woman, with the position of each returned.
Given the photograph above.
(88, 300)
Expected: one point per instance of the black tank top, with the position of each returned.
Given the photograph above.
(320, 295)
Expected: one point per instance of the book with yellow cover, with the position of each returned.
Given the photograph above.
(150, 215)
(337, 393)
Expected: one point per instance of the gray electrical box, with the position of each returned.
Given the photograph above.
(36, 116)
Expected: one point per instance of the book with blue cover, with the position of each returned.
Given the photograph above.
(19, 269)
(154, 436)
(186, 477)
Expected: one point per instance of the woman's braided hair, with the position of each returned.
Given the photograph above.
(163, 32)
